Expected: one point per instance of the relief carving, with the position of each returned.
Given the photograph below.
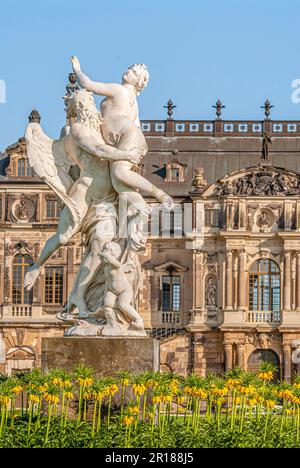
(260, 183)
(22, 208)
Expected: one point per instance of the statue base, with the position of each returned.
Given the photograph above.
(106, 355)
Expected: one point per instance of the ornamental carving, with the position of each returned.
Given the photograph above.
(265, 218)
(260, 183)
(23, 248)
(22, 208)
(199, 181)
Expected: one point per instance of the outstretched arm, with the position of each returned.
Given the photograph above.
(89, 142)
(102, 89)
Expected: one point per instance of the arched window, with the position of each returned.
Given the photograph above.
(264, 286)
(21, 265)
(24, 170)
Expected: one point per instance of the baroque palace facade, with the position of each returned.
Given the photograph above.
(221, 287)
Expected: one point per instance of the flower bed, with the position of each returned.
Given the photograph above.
(149, 410)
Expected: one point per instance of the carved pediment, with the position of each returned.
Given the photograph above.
(171, 266)
(257, 181)
(17, 148)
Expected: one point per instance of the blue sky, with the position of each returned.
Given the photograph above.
(196, 51)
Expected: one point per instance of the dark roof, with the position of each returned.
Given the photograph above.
(219, 147)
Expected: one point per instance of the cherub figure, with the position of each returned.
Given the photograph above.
(119, 291)
(122, 129)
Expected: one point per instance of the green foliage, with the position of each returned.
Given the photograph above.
(149, 410)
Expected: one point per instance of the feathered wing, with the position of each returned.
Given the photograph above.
(51, 163)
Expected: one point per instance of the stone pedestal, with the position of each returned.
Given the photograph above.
(105, 355)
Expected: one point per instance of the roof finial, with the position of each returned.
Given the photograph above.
(267, 107)
(170, 106)
(35, 117)
(219, 106)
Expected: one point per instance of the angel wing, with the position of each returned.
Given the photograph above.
(51, 163)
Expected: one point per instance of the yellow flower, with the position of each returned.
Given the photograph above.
(69, 395)
(51, 398)
(17, 389)
(188, 390)
(232, 383)
(34, 398)
(42, 388)
(85, 382)
(156, 399)
(286, 394)
(67, 384)
(180, 400)
(128, 420)
(269, 403)
(125, 382)
(167, 398)
(134, 410)
(112, 390)
(139, 389)
(99, 395)
(87, 396)
(219, 391)
(247, 390)
(200, 393)
(252, 402)
(4, 400)
(295, 400)
(265, 375)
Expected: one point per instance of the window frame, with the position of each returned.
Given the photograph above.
(268, 290)
(172, 293)
(54, 286)
(26, 169)
(26, 297)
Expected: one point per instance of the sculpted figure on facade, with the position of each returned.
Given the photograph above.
(210, 293)
(106, 147)
(260, 183)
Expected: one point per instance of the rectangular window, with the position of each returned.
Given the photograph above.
(171, 293)
(174, 174)
(54, 208)
(54, 285)
(211, 217)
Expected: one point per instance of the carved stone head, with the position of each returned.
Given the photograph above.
(138, 76)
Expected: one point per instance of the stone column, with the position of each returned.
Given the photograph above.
(287, 282)
(242, 215)
(242, 305)
(228, 305)
(298, 215)
(235, 283)
(294, 267)
(298, 283)
(198, 289)
(228, 357)
(241, 356)
(287, 362)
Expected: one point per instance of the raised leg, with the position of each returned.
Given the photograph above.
(123, 175)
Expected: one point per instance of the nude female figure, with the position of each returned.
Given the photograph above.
(122, 129)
